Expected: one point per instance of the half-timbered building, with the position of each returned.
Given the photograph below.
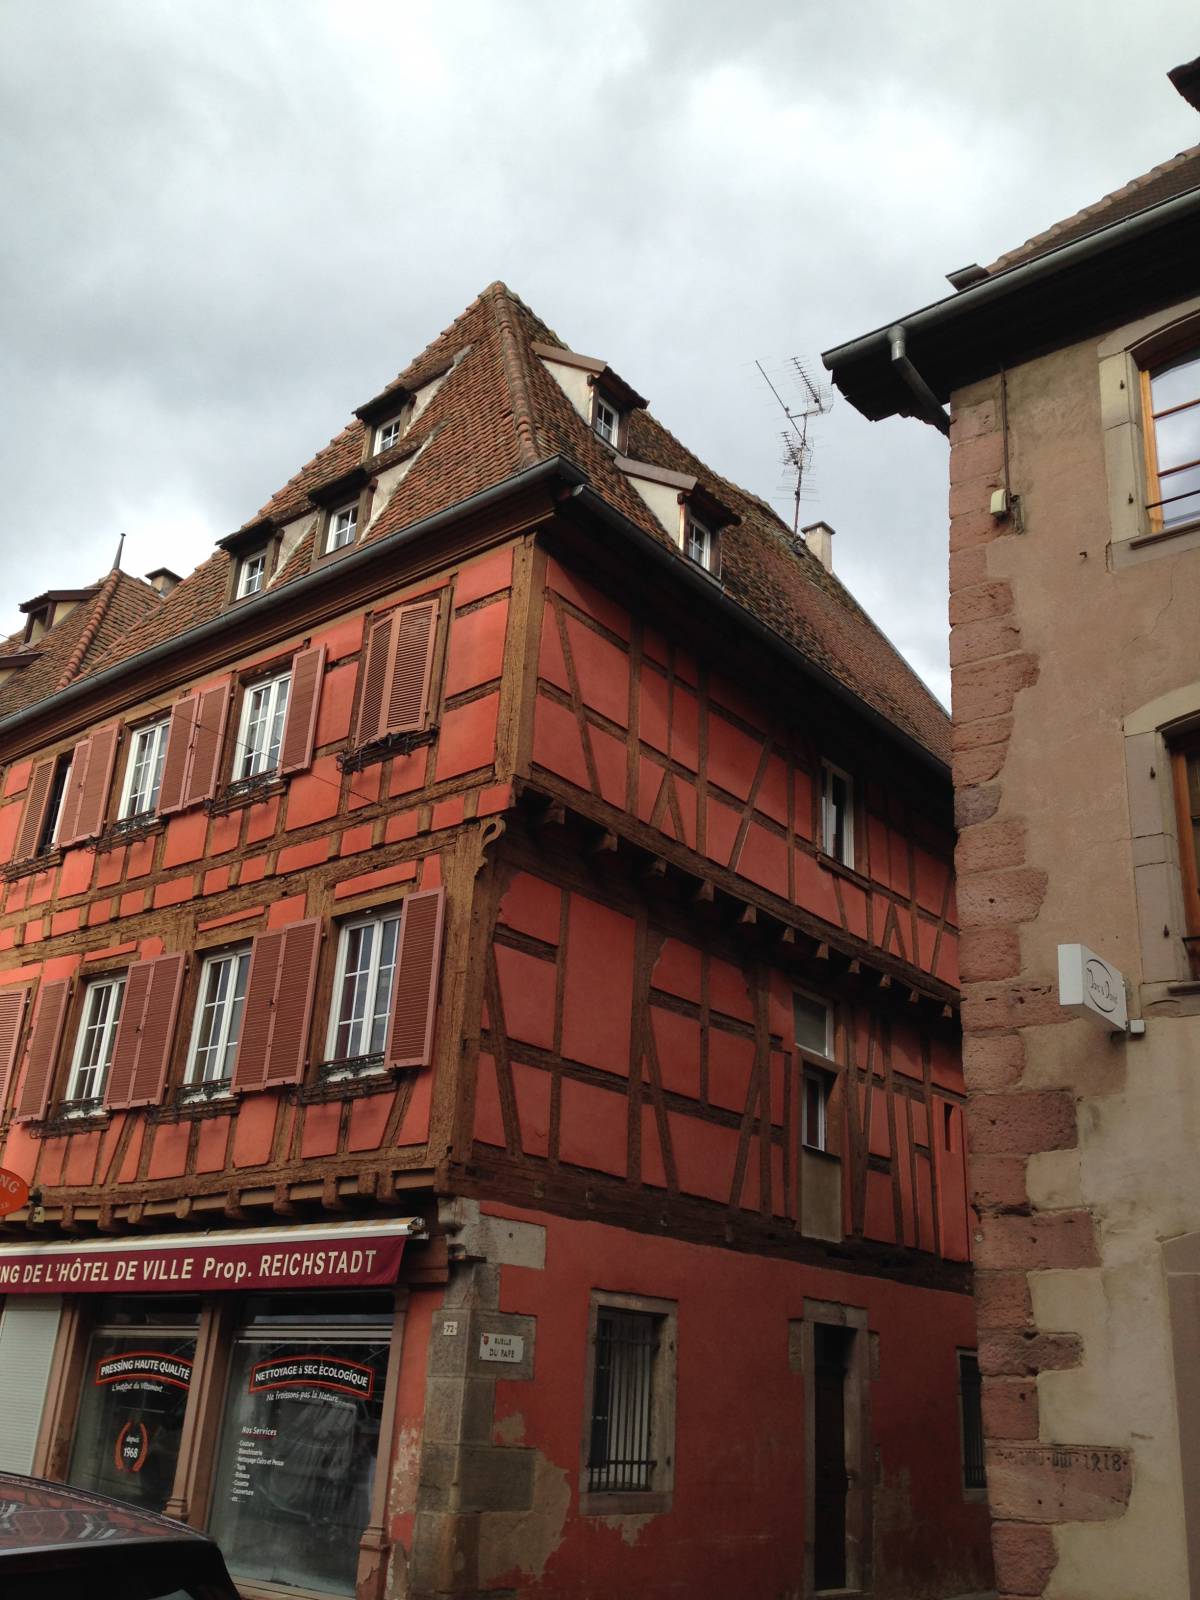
(478, 1020)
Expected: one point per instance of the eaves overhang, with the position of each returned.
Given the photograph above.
(1109, 276)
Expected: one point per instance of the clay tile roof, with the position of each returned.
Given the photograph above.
(112, 608)
(1174, 177)
(496, 410)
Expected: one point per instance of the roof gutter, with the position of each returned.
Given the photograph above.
(271, 599)
(708, 590)
(928, 408)
(942, 314)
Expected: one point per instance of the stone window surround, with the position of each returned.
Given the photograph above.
(1167, 985)
(1181, 1260)
(608, 1503)
(1122, 355)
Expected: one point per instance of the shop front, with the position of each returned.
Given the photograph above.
(242, 1381)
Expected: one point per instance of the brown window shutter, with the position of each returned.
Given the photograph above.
(175, 766)
(68, 816)
(304, 699)
(208, 734)
(296, 982)
(408, 679)
(12, 1015)
(377, 656)
(42, 1055)
(414, 991)
(33, 818)
(249, 1070)
(142, 1049)
(96, 779)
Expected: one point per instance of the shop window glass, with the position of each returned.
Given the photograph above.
(135, 1392)
(298, 1447)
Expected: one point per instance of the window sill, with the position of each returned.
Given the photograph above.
(32, 864)
(832, 864)
(72, 1116)
(193, 1102)
(392, 744)
(624, 1502)
(350, 1086)
(245, 792)
(127, 830)
(1145, 546)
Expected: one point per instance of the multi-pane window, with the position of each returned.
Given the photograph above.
(218, 1025)
(970, 1403)
(698, 542)
(362, 991)
(837, 813)
(814, 1037)
(622, 1446)
(343, 528)
(143, 775)
(605, 420)
(263, 709)
(386, 434)
(814, 1024)
(815, 1111)
(1171, 395)
(251, 574)
(95, 1039)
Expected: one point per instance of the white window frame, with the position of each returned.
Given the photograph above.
(246, 757)
(252, 574)
(153, 734)
(828, 824)
(599, 403)
(708, 541)
(375, 919)
(113, 987)
(342, 520)
(818, 1138)
(816, 1000)
(239, 960)
(395, 427)
(53, 826)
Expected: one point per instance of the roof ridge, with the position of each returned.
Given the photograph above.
(1105, 202)
(83, 644)
(513, 364)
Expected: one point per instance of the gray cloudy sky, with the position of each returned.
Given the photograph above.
(227, 224)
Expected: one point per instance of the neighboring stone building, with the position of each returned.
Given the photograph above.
(1073, 370)
(478, 1014)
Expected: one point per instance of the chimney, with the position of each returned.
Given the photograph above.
(163, 579)
(818, 536)
(1187, 80)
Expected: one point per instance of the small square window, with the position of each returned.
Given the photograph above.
(387, 434)
(699, 542)
(252, 574)
(606, 420)
(837, 813)
(1171, 396)
(342, 529)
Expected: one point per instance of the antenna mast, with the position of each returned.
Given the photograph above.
(814, 401)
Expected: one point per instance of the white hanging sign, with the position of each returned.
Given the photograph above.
(1092, 987)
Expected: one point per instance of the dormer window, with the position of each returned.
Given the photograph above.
(343, 527)
(699, 542)
(606, 419)
(388, 433)
(252, 574)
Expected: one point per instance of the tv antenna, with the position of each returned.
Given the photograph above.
(813, 401)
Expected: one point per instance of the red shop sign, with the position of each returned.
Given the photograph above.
(333, 1256)
(14, 1191)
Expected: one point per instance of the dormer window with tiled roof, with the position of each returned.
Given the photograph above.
(606, 419)
(699, 541)
(342, 528)
(252, 574)
(388, 433)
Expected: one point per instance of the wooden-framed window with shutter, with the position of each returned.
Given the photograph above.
(195, 740)
(397, 668)
(418, 971)
(304, 702)
(43, 806)
(14, 1002)
(41, 1052)
(273, 1046)
(145, 1032)
(85, 802)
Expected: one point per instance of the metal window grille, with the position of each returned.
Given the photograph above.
(974, 1476)
(620, 1455)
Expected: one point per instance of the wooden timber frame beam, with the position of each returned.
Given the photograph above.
(659, 863)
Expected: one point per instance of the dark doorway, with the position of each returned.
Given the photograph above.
(831, 1353)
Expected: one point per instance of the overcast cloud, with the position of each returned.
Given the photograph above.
(227, 224)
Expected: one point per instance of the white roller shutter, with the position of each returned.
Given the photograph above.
(28, 1331)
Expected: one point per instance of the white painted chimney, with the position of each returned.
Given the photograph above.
(818, 536)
